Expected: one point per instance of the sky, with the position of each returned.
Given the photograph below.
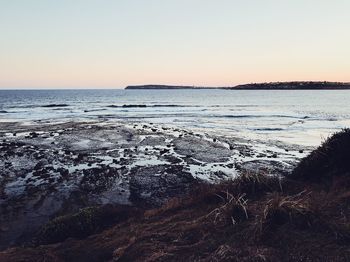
(112, 44)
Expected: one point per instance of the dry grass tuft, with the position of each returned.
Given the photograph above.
(224, 195)
(233, 210)
(280, 210)
(255, 185)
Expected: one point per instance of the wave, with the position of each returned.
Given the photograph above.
(55, 105)
(331, 119)
(172, 106)
(153, 115)
(142, 106)
(3, 112)
(22, 106)
(123, 106)
(260, 116)
(124, 117)
(36, 106)
(176, 105)
(94, 110)
(268, 129)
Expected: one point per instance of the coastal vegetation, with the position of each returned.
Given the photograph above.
(256, 217)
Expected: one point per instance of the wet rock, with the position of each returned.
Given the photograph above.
(264, 167)
(220, 174)
(63, 172)
(33, 134)
(153, 185)
(190, 161)
(81, 156)
(41, 164)
(38, 156)
(97, 180)
(173, 159)
(202, 150)
(164, 151)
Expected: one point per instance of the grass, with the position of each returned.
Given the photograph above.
(233, 210)
(85, 222)
(280, 209)
(331, 159)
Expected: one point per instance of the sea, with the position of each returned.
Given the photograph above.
(303, 117)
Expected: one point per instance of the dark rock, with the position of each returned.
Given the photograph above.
(230, 165)
(153, 185)
(33, 134)
(164, 151)
(41, 164)
(63, 172)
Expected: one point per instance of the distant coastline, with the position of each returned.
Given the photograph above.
(169, 87)
(297, 85)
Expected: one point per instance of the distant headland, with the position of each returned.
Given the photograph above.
(297, 85)
(169, 87)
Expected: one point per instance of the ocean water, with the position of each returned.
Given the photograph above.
(304, 117)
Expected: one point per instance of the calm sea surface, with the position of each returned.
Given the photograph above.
(302, 117)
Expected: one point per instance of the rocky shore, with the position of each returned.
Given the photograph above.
(53, 169)
(303, 216)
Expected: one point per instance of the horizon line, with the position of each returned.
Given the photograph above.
(177, 85)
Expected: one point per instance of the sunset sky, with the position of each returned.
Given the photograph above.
(111, 44)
